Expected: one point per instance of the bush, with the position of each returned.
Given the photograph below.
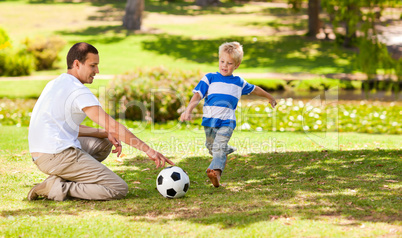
(4, 40)
(15, 63)
(152, 94)
(319, 84)
(269, 84)
(45, 50)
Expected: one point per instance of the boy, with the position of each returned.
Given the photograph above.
(222, 91)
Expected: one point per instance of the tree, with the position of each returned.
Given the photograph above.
(132, 20)
(314, 22)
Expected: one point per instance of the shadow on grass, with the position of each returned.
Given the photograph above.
(361, 185)
(168, 7)
(286, 52)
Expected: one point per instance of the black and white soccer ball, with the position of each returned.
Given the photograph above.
(172, 182)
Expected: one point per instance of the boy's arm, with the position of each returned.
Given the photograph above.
(261, 93)
(186, 115)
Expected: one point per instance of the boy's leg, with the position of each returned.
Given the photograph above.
(210, 134)
(79, 175)
(219, 153)
(96, 147)
(220, 148)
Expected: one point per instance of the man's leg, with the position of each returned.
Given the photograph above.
(81, 176)
(96, 147)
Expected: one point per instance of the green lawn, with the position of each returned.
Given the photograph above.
(178, 36)
(276, 185)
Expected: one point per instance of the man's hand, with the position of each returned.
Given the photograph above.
(158, 158)
(116, 143)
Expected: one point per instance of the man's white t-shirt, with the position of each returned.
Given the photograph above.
(57, 115)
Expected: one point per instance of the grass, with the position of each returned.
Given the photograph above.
(301, 190)
(177, 35)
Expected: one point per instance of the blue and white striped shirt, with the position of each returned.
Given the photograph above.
(221, 93)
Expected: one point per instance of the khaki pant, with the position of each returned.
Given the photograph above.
(79, 174)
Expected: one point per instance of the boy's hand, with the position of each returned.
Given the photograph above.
(273, 103)
(185, 116)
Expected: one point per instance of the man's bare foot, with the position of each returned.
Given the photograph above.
(214, 176)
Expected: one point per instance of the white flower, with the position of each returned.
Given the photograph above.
(245, 126)
(300, 117)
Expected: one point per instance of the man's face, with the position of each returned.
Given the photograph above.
(226, 64)
(87, 71)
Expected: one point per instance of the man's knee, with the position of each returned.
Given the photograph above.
(104, 149)
(121, 190)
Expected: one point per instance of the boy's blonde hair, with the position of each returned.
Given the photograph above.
(234, 49)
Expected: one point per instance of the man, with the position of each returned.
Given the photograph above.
(71, 153)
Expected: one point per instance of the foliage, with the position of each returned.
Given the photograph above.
(4, 39)
(15, 112)
(322, 116)
(45, 50)
(290, 115)
(155, 94)
(14, 63)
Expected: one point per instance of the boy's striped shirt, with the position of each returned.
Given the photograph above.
(221, 93)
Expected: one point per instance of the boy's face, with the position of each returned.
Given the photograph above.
(226, 64)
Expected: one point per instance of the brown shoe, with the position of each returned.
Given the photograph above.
(41, 189)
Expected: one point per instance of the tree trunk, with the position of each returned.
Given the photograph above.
(314, 22)
(351, 35)
(133, 18)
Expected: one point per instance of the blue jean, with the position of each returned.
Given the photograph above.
(217, 139)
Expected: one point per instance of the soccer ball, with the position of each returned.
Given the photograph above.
(172, 182)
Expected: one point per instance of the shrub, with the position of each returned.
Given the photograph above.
(155, 94)
(15, 63)
(45, 50)
(319, 84)
(4, 40)
(269, 84)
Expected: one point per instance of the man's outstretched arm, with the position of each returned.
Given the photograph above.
(121, 133)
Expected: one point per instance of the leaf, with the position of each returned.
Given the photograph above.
(391, 181)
